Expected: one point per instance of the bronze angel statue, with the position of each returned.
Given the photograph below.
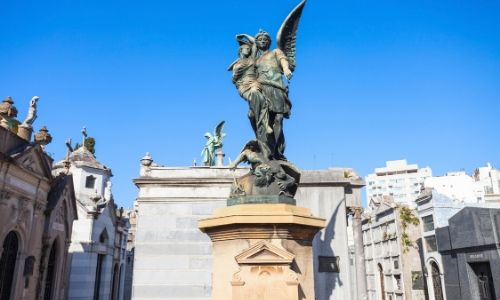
(214, 142)
(258, 75)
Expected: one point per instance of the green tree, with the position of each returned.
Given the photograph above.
(89, 145)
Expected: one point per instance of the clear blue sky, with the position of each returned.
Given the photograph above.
(375, 81)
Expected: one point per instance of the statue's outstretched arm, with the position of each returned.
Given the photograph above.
(31, 117)
(241, 158)
(245, 38)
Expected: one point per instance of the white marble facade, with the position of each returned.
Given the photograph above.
(98, 243)
(173, 258)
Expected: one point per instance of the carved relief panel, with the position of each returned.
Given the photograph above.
(265, 274)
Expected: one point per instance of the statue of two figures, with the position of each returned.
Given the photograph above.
(259, 74)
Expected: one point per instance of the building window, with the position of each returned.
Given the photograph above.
(90, 182)
(115, 284)
(430, 243)
(396, 264)
(398, 281)
(103, 238)
(98, 275)
(428, 222)
(51, 268)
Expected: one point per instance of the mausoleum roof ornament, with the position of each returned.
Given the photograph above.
(7, 108)
(83, 154)
(65, 163)
(147, 160)
(25, 129)
(146, 164)
(31, 116)
(8, 114)
(43, 137)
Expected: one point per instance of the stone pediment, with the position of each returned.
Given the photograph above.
(34, 160)
(265, 253)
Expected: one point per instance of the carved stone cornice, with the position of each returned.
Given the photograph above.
(262, 231)
(252, 221)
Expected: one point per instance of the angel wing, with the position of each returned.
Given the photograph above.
(218, 130)
(287, 34)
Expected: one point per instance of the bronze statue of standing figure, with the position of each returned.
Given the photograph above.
(259, 74)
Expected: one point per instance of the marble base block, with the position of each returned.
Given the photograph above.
(262, 251)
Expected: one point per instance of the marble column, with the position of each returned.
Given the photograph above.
(359, 253)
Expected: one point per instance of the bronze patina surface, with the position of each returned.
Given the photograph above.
(259, 75)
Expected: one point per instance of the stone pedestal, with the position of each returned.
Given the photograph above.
(219, 158)
(262, 251)
(25, 132)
